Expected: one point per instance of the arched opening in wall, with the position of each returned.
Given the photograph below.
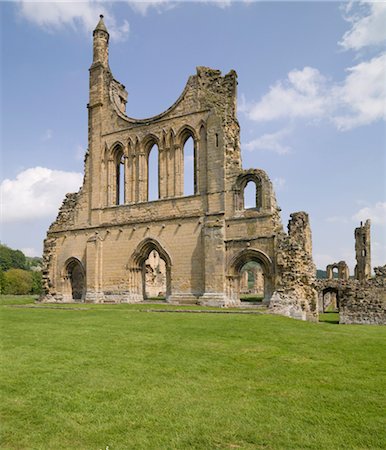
(250, 195)
(252, 282)
(150, 271)
(120, 174)
(335, 272)
(189, 167)
(330, 298)
(153, 174)
(154, 277)
(76, 278)
(257, 284)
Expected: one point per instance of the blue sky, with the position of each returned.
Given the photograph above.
(312, 101)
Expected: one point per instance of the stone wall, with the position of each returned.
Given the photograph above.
(365, 303)
(296, 295)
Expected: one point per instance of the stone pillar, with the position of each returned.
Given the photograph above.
(178, 171)
(363, 252)
(142, 178)
(162, 167)
(244, 282)
(94, 266)
(214, 263)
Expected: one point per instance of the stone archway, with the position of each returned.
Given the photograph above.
(75, 280)
(330, 299)
(138, 268)
(235, 269)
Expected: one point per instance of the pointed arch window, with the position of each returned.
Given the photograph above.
(188, 144)
(120, 180)
(189, 167)
(153, 173)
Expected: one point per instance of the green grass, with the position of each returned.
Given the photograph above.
(120, 377)
(329, 317)
(251, 298)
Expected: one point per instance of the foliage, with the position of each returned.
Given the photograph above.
(2, 282)
(34, 262)
(95, 376)
(11, 259)
(19, 274)
(18, 282)
(36, 283)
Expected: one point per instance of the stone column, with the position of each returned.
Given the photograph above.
(178, 171)
(94, 267)
(162, 168)
(214, 263)
(142, 178)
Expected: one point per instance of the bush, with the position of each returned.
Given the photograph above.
(36, 282)
(18, 282)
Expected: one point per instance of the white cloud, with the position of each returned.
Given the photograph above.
(368, 27)
(270, 142)
(35, 193)
(301, 95)
(47, 135)
(362, 95)
(376, 213)
(142, 7)
(58, 14)
(305, 94)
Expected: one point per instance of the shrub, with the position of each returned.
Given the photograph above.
(18, 282)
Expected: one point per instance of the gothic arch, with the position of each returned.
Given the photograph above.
(237, 263)
(116, 174)
(240, 186)
(74, 277)
(148, 142)
(186, 132)
(140, 255)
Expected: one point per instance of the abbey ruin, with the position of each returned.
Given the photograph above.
(112, 243)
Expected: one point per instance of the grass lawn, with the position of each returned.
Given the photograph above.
(118, 376)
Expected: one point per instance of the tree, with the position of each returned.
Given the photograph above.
(18, 282)
(11, 259)
(36, 282)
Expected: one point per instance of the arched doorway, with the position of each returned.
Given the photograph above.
(150, 271)
(76, 279)
(250, 270)
(154, 277)
(330, 299)
(252, 282)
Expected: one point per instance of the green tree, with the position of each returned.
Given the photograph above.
(36, 282)
(11, 259)
(5, 258)
(2, 282)
(18, 282)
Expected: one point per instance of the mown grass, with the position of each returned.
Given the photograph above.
(127, 379)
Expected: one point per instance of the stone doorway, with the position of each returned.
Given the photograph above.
(250, 278)
(76, 280)
(330, 300)
(154, 277)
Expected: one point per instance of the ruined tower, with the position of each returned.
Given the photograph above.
(97, 248)
(363, 252)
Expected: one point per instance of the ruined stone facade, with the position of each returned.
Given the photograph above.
(105, 233)
(359, 300)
